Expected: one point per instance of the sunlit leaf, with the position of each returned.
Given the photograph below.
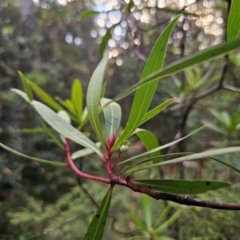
(84, 152)
(156, 110)
(112, 114)
(77, 98)
(31, 158)
(181, 186)
(27, 88)
(233, 23)
(145, 95)
(45, 97)
(183, 63)
(63, 127)
(94, 94)
(96, 228)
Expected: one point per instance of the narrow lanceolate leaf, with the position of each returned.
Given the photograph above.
(151, 160)
(164, 146)
(226, 164)
(21, 94)
(31, 158)
(150, 142)
(84, 152)
(64, 128)
(88, 13)
(144, 95)
(233, 24)
(184, 63)
(112, 114)
(147, 211)
(96, 228)
(45, 97)
(26, 86)
(77, 98)
(181, 186)
(206, 154)
(156, 110)
(94, 94)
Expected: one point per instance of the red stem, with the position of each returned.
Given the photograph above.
(77, 171)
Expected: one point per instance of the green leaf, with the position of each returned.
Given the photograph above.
(150, 142)
(27, 89)
(45, 97)
(112, 114)
(84, 152)
(184, 63)
(195, 156)
(31, 158)
(49, 132)
(164, 146)
(145, 95)
(94, 94)
(77, 97)
(168, 222)
(226, 164)
(138, 222)
(88, 13)
(64, 128)
(156, 110)
(104, 42)
(21, 94)
(181, 186)
(96, 228)
(152, 159)
(70, 106)
(147, 211)
(233, 24)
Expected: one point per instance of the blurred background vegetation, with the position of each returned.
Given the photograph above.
(54, 42)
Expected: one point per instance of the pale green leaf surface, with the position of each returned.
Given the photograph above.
(181, 186)
(64, 128)
(31, 158)
(112, 114)
(153, 112)
(143, 96)
(94, 94)
(21, 94)
(233, 23)
(184, 63)
(96, 228)
(77, 98)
